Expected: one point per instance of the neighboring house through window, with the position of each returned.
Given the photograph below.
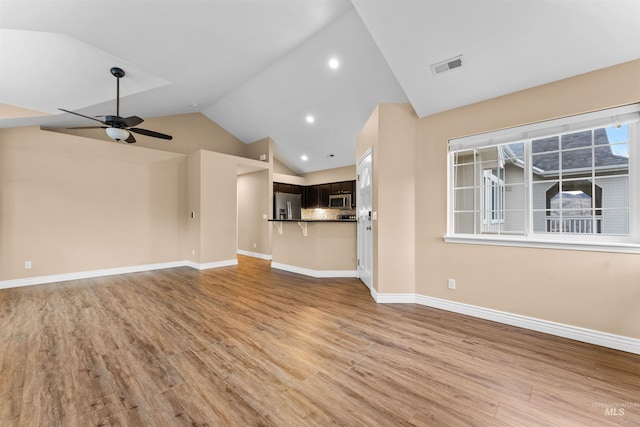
(567, 180)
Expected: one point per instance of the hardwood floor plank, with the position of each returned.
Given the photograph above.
(249, 346)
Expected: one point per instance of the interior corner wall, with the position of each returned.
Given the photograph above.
(72, 204)
(253, 203)
(258, 148)
(395, 191)
(593, 290)
(218, 208)
(192, 250)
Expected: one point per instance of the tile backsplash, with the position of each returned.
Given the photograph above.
(319, 213)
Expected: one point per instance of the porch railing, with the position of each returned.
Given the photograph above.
(578, 225)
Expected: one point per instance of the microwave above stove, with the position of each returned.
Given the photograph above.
(340, 201)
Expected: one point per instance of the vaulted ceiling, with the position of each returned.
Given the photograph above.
(258, 68)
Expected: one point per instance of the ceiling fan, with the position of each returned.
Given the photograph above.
(119, 128)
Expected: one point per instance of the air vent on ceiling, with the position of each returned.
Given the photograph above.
(449, 64)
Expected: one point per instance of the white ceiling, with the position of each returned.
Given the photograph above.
(259, 67)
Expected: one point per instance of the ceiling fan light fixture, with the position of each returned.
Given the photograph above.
(118, 134)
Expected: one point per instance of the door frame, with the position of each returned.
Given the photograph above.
(359, 230)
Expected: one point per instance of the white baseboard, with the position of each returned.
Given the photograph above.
(54, 278)
(314, 273)
(254, 254)
(604, 339)
(208, 265)
(41, 280)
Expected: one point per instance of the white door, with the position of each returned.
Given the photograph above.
(365, 224)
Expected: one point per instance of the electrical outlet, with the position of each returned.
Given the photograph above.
(27, 265)
(451, 283)
(255, 245)
(265, 216)
(193, 251)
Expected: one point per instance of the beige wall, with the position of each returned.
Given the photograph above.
(73, 204)
(328, 246)
(218, 207)
(345, 173)
(254, 198)
(594, 290)
(391, 132)
(396, 198)
(258, 148)
(279, 167)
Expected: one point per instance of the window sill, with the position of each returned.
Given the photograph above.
(617, 247)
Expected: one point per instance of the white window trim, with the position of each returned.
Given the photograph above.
(622, 244)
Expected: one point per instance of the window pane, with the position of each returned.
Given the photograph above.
(576, 161)
(465, 199)
(607, 160)
(614, 192)
(614, 134)
(615, 221)
(513, 222)
(464, 176)
(513, 173)
(464, 222)
(545, 165)
(544, 222)
(577, 140)
(545, 145)
(542, 193)
(514, 153)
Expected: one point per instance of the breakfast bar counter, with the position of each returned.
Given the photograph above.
(317, 248)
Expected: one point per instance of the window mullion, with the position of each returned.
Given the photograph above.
(528, 188)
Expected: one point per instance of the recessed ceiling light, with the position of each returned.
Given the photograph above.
(195, 105)
(310, 119)
(334, 63)
(304, 158)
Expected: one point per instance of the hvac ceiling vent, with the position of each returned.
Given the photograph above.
(449, 64)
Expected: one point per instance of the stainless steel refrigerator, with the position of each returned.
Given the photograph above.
(287, 206)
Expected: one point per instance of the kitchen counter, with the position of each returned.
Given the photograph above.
(317, 248)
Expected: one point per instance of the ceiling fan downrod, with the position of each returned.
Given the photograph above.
(118, 73)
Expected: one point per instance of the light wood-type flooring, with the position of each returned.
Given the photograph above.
(251, 346)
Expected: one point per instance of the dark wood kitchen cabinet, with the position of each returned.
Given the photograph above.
(344, 187)
(311, 196)
(287, 188)
(317, 196)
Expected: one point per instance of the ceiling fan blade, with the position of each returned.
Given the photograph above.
(82, 115)
(131, 139)
(87, 127)
(150, 133)
(132, 121)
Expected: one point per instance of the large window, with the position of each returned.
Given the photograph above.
(571, 180)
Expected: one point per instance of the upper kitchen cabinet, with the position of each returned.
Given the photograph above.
(344, 187)
(317, 196)
(280, 187)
